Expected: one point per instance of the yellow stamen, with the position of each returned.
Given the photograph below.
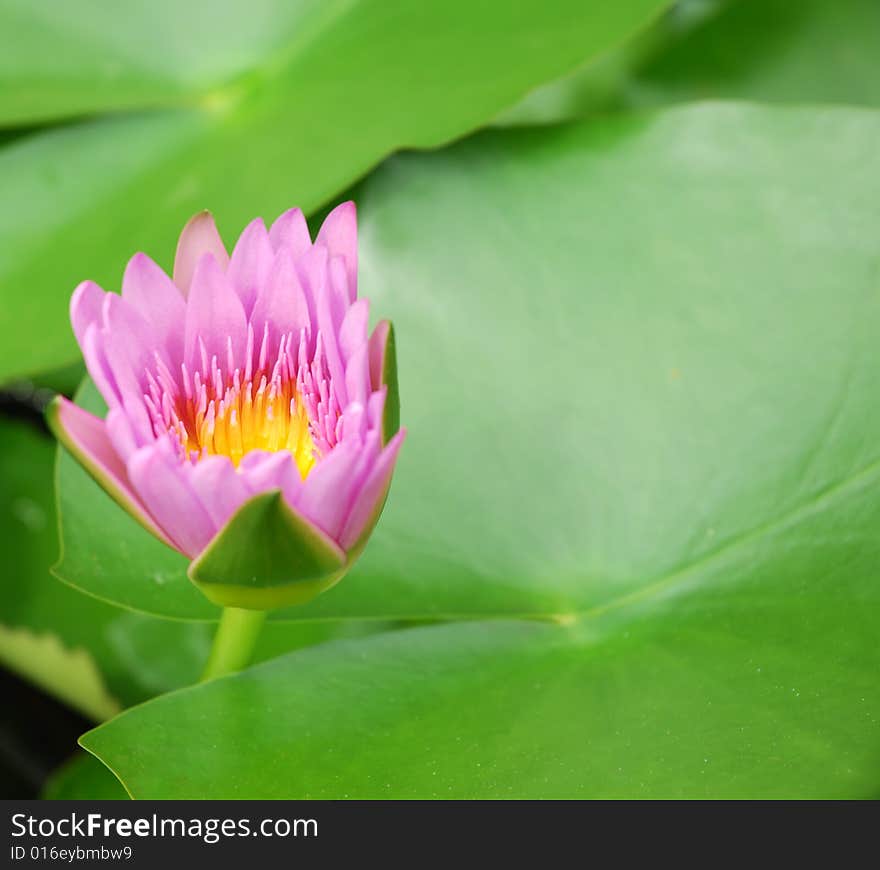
(266, 418)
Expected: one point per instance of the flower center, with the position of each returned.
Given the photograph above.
(251, 416)
(284, 406)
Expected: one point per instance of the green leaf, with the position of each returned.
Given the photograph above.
(88, 58)
(606, 82)
(83, 778)
(658, 336)
(752, 673)
(267, 556)
(773, 50)
(272, 105)
(768, 50)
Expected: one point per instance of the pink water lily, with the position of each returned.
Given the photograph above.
(243, 374)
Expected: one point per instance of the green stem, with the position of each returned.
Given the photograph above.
(234, 641)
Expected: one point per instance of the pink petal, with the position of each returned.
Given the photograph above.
(87, 319)
(121, 433)
(338, 234)
(357, 376)
(331, 310)
(131, 345)
(161, 483)
(215, 315)
(219, 487)
(85, 436)
(312, 271)
(378, 347)
(354, 422)
(263, 471)
(328, 490)
(86, 307)
(369, 500)
(353, 332)
(250, 263)
(198, 237)
(281, 301)
(135, 340)
(99, 368)
(291, 232)
(376, 407)
(153, 295)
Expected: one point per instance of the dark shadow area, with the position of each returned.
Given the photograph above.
(37, 734)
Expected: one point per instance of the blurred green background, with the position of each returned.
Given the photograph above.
(631, 252)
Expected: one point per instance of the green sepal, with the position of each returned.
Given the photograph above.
(267, 556)
(391, 416)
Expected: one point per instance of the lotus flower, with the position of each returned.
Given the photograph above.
(252, 422)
